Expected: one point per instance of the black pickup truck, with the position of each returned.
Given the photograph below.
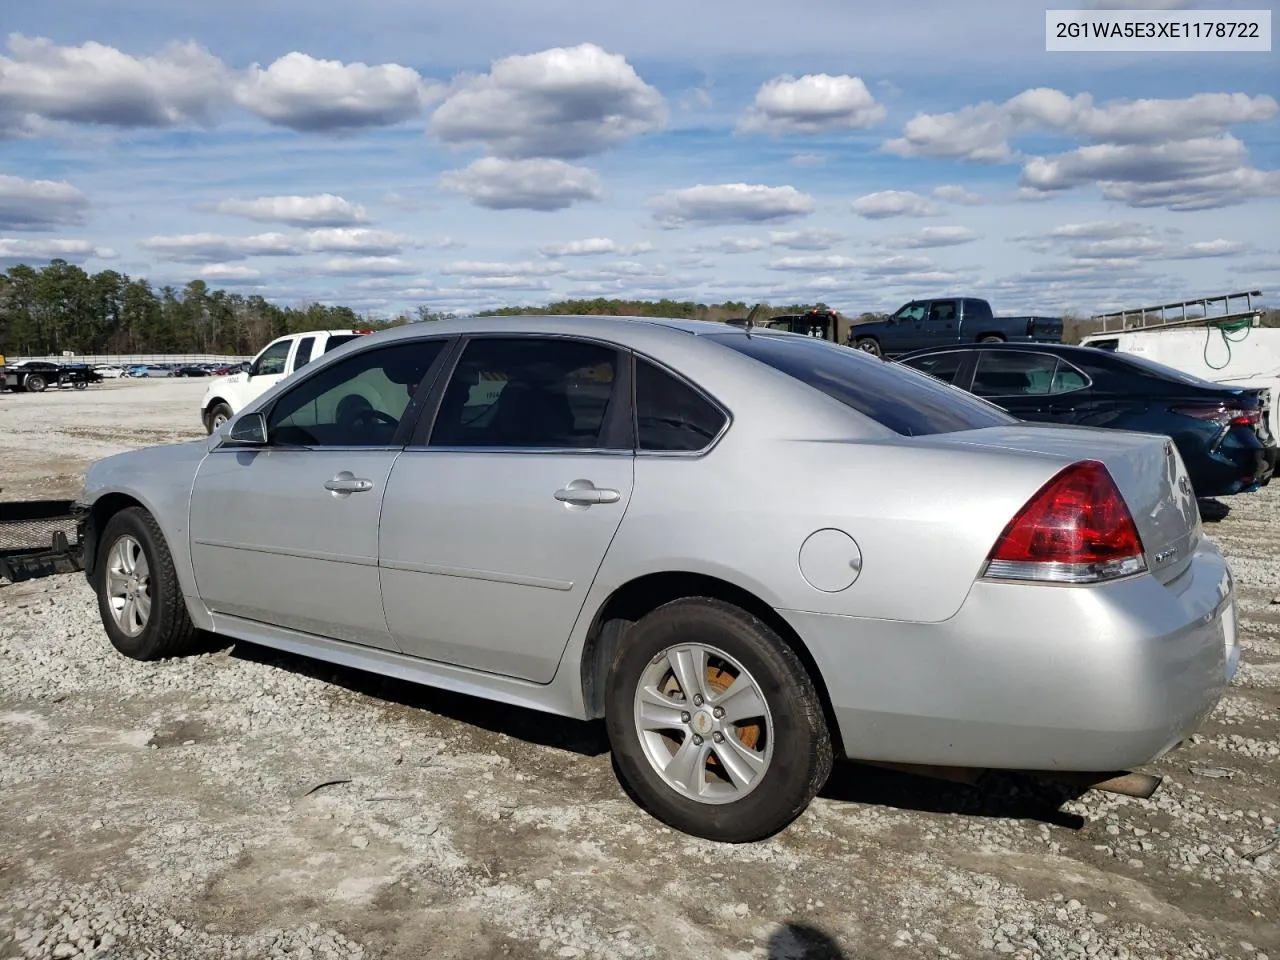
(947, 320)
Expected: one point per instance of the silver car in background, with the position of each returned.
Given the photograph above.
(748, 551)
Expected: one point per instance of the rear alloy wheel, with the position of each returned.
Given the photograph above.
(139, 598)
(868, 345)
(36, 383)
(715, 724)
(219, 414)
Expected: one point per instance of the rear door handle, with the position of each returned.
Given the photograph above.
(584, 492)
(348, 484)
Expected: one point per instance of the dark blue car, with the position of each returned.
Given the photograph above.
(1220, 431)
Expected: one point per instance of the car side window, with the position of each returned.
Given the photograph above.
(1067, 378)
(357, 402)
(943, 366)
(303, 356)
(943, 311)
(272, 360)
(672, 416)
(527, 392)
(913, 311)
(1006, 373)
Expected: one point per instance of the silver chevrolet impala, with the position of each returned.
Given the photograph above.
(748, 551)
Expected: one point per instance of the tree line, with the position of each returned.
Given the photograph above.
(57, 307)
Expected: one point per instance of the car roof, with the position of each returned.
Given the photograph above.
(591, 325)
(1060, 349)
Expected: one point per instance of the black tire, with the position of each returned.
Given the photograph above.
(81, 384)
(36, 383)
(216, 411)
(991, 338)
(868, 345)
(168, 631)
(801, 751)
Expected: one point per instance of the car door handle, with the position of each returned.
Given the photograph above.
(348, 484)
(586, 494)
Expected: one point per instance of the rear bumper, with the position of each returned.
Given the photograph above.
(1035, 677)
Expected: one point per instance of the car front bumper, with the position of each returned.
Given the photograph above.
(1035, 677)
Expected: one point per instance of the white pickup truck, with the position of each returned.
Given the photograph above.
(228, 395)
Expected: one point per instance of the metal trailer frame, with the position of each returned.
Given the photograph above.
(38, 538)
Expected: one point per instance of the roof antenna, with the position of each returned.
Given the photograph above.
(751, 318)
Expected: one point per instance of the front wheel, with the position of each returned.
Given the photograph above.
(716, 727)
(219, 414)
(36, 383)
(139, 598)
(868, 345)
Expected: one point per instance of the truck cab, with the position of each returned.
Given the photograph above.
(227, 396)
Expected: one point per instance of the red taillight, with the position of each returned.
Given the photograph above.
(1223, 415)
(1076, 529)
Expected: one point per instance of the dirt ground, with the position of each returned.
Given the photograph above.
(244, 803)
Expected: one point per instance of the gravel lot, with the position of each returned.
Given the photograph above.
(247, 804)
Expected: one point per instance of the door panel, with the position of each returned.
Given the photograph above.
(270, 542)
(486, 557)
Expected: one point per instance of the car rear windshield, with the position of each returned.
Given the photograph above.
(904, 400)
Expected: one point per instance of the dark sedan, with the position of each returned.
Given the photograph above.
(1220, 431)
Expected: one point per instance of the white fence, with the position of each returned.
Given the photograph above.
(131, 359)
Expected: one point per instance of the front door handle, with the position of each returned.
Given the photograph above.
(346, 483)
(584, 493)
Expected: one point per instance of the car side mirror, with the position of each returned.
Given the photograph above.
(249, 430)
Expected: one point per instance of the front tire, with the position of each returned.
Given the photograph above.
(868, 345)
(219, 414)
(36, 384)
(139, 598)
(716, 727)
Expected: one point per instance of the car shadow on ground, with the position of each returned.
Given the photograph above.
(799, 941)
(1005, 795)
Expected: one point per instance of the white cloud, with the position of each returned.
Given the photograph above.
(954, 193)
(894, 203)
(729, 203)
(1116, 242)
(368, 266)
(812, 264)
(1092, 230)
(322, 210)
(305, 94)
(544, 185)
(503, 283)
(889, 266)
(228, 273)
(17, 250)
(619, 270)
(933, 237)
(981, 133)
(565, 103)
(39, 204)
(496, 268)
(808, 159)
(96, 84)
(809, 239)
(1189, 175)
(356, 240)
(731, 245)
(814, 103)
(594, 246)
(214, 248)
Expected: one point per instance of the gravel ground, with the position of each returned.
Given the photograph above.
(247, 804)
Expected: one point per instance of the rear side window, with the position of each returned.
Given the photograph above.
(670, 415)
(892, 395)
(303, 356)
(338, 339)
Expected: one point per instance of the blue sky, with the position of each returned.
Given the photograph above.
(465, 155)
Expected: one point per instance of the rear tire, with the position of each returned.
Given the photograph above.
(756, 738)
(139, 598)
(868, 345)
(218, 414)
(36, 383)
(991, 338)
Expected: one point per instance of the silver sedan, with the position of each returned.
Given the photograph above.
(749, 551)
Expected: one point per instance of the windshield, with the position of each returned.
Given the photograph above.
(906, 401)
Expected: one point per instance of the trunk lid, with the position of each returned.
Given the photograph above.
(1146, 467)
